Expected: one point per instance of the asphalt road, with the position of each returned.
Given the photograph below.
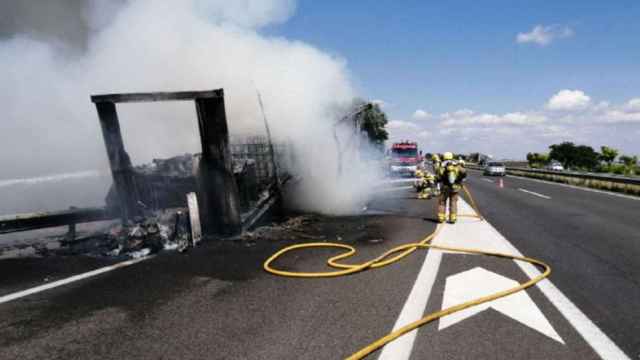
(216, 302)
(592, 240)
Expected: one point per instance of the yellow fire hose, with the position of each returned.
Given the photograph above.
(396, 254)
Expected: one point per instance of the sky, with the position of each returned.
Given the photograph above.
(499, 77)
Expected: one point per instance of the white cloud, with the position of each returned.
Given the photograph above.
(421, 115)
(621, 116)
(626, 113)
(544, 35)
(469, 118)
(569, 100)
(633, 105)
(401, 125)
(513, 134)
(424, 134)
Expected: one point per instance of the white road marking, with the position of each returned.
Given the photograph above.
(472, 233)
(69, 280)
(630, 197)
(583, 188)
(487, 180)
(413, 308)
(592, 334)
(535, 193)
(479, 282)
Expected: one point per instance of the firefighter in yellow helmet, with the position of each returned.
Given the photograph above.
(450, 175)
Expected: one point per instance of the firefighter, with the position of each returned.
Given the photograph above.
(435, 159)
(418, 183)
(428, 188)
(436, 162)
(450, 176)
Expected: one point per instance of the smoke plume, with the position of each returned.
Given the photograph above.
(54, 57)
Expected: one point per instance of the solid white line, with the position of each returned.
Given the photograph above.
(592, 334)
(487, 180)
(72, 279)
(630, 197)
(535, 194)
(413, 309)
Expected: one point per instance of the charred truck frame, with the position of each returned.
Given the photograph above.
(217, 191)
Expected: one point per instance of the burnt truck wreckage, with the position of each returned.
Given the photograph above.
(173, 203)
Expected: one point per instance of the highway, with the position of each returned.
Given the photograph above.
(591, 238)
(216, 302)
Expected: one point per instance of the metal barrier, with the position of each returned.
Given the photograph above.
(616, 183)
(41, 220)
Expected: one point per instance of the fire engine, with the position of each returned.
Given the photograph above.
(404, 158)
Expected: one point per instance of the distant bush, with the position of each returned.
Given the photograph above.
(618, 169)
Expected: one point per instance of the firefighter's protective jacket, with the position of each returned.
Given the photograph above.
(451, 174)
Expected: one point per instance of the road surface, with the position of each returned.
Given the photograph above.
(216, 302)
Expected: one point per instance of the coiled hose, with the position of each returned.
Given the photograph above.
(393, 255)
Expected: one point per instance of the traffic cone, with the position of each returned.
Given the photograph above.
(501, 183)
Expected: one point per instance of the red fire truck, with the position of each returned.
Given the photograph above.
(404, 158)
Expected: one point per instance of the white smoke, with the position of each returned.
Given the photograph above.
(49, 124)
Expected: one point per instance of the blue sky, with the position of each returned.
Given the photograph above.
(446, 56)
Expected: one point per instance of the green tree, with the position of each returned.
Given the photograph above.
(629, 160)
(608, 154)
(572, 156)
(537, 159)
(564, 153)
(372, 121)
(587, 158)
(630, 164)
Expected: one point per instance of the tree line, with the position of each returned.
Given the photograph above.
(585, 158)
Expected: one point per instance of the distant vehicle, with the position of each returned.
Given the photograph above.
(495, 169)
(405, 159)
(555, 166)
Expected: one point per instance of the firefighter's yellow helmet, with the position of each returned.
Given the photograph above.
(435, 157)
(447, 156)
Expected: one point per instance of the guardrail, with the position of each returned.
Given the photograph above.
(41, 220)
(616, 183)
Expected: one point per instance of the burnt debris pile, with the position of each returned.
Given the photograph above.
(161, 184)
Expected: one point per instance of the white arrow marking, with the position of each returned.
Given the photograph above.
(478, 282)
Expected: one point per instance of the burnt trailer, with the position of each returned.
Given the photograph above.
(216, 187)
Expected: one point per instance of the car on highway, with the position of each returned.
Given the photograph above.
(495, 169)
(555, 166)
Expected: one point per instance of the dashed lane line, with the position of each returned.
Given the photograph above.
(535, 193)
(611, 193)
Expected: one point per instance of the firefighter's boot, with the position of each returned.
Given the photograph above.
(442, 217)
(453, 218)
